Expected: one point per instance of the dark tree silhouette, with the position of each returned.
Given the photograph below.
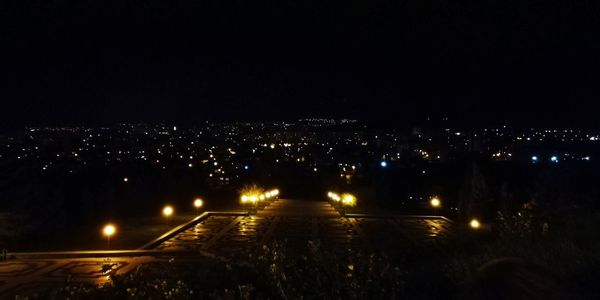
(473, 194)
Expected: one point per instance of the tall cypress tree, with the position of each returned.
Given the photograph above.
(473, 194)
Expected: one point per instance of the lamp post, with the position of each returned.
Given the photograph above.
(108, 231)
(198, 203)
(252, 200)
(168, 212)
(474, 224)
(435, 202)
(347, 201)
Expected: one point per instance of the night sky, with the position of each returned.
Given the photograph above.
(533, 62)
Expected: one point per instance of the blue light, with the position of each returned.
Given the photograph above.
(554, 158)
(586, 158)
(534, 158)
(383, 164)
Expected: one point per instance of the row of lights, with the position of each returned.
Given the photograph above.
(255, 197)
(345, 199)
(110, 229)
(342, 201)
(435, 202)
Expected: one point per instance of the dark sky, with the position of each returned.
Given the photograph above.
(100, 62)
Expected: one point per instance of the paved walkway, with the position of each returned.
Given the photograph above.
(227, 235)
(297, 222)
(299, 208)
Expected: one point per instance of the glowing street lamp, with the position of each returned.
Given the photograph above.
(347, 200)
(435, 202)
(108, 231)
(475, 224)
(168, 211)
(335, 197)
(251, 199)
(198, 203)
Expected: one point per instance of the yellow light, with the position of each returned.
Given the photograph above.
(198, 203)
(475, 224)
(167, 211)
(330, 195)
(335, 197)
(244, 199)
(261, 197)
(348, 199)
(275, 192)
(253, 198)
(109, 230)
(435, 202)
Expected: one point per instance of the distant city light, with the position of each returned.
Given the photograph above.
(435, 202)
(554, 158)
(534, 158)
(125, 179)
(383, 164)
(246, 167)
(190, 165)
(586, 158)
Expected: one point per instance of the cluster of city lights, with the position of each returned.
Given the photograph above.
(253, 197)
(345, 199)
